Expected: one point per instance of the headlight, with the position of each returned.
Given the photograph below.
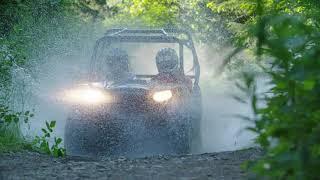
(162, 96)
(87, 95)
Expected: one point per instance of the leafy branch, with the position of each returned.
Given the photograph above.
(42, 142)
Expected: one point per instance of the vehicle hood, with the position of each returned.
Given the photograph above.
(134, 86)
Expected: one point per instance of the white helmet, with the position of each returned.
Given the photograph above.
(167, 60)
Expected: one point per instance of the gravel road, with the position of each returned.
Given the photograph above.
(29, 165)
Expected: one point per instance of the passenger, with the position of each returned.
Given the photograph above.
(117, 63)
(167, 62)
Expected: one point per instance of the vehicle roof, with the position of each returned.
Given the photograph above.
(149, 35)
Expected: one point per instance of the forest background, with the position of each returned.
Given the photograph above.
(281, 37)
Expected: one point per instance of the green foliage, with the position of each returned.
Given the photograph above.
(286, 119)
(11, 137)
(30, 32)
(42, 142)
(155, 12)
(137, 13)
(96, 9)
(238, 11)
(7, 62)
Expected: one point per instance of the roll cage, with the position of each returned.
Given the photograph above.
(183, 38)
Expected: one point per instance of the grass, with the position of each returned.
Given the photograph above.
(11, 138)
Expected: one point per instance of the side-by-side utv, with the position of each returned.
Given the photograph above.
(138, 116)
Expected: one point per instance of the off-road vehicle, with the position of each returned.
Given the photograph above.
(138, 116)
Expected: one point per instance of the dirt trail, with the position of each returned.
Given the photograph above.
(224, 165)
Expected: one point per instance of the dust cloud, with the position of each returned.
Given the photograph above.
(221, 130)
(54, 76)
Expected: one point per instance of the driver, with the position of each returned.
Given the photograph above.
(117, 63)
(167, 62)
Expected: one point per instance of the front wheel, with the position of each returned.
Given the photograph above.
(180, 138)
(80, 139)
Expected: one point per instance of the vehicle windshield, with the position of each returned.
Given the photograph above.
(142, 57)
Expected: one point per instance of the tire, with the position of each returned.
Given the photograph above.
(78, 139)
(180, 139)
(90, 138)
(183, 146)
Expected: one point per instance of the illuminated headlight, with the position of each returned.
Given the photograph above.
(87, 95)
(162, 96)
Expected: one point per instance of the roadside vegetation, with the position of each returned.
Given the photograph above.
(288, 125)
(282, 36)
(12, 138)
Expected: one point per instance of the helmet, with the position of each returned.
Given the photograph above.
(167, 60)
(117, 60)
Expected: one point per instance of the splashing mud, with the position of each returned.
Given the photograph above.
(220, 131)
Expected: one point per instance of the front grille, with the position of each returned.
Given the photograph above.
(131, 102)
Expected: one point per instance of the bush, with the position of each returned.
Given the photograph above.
(42, 142)
(288, 124)
(12, 139)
